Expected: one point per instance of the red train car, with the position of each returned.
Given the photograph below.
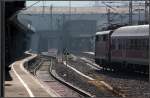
(102, 48)
(127, 48)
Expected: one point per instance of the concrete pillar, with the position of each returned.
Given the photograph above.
(2, 43)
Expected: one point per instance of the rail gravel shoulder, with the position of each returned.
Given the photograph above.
(80, 91)
(106, 85)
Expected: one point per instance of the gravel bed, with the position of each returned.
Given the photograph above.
(79, 81)
(131, 84)
(43, 75)
(86, 55)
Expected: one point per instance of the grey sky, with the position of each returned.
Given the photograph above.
(73, 3)
(61, 3)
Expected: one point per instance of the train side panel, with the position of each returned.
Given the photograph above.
(130, 49)
(102, 49)
(101, 52)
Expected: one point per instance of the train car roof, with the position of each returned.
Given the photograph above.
(102, 32)
(138, 30)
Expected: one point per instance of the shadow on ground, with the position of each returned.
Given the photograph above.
(124, 75)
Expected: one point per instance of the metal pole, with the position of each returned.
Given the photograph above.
(63, 35)
(121, 19)
(146, 11)
(69, 9)
(43, 8)
(67, 35)
(139, 15)
(130, 12)
(149, 40)
(51, 18)
(108, 17)
(2, 42)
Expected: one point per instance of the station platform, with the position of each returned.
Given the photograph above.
(24, 84)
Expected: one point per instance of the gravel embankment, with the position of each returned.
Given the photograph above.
(81, 82)
(131, 84)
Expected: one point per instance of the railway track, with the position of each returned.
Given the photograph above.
(130, 84)
(56, 84)
(80, 91)
(98, 84)
(55, 76)
(84, 82)
(77, 89)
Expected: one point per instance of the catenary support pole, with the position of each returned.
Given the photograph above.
(149, 39)
(130, 12)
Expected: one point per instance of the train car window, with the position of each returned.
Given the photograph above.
(105, 37)
(143, 44)
(147, 44)
(139, 44)
(132, 44)
(113, 44)
(123, 44)
(135, 45)
(97, 38)
(119, 45)
(127, 44)
(116, 44)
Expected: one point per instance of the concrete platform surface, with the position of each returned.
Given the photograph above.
(23, 83)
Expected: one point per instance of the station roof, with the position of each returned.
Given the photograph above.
(102, 32)
(130, 31)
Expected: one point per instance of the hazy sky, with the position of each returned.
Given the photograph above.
(73, 3)
(61, 3)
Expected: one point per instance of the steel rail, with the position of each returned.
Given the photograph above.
(76, 89)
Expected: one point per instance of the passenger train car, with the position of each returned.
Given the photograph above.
(123, 48)
(102, 48)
